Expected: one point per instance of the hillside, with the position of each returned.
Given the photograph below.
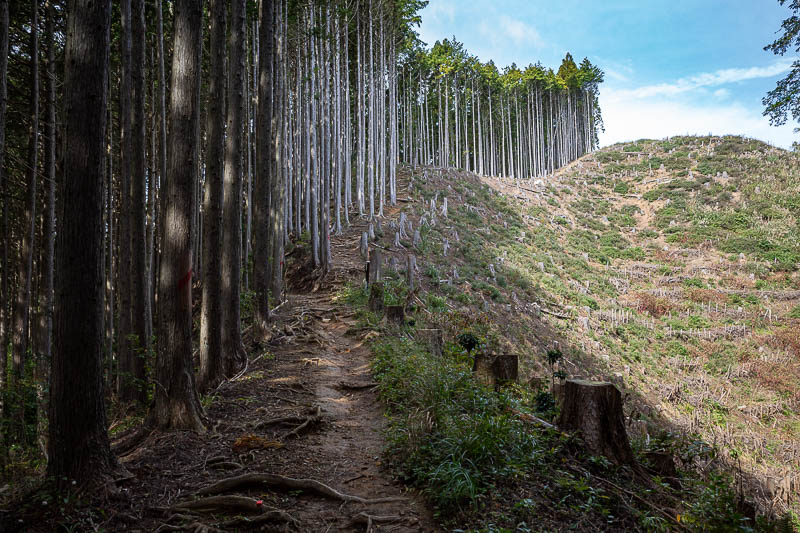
(666, 267)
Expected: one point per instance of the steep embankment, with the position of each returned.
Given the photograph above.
(667, 267)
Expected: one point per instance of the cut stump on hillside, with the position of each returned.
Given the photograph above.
(595, 410)
(494, 370)
(432, 339)
(396, 315)
(376, 297)
(375, 265)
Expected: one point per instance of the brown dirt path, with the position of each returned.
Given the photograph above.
(309, 363)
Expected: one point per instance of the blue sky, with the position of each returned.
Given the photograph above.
(672, 67)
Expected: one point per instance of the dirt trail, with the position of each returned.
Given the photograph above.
(311, 369)
(312, 365)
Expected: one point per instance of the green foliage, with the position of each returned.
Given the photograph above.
(714, 507)
(784, 99)
(449, 436)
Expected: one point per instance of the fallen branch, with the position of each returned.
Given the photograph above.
(356, 386)
(527, 417)
(553, 313)
(288, 483)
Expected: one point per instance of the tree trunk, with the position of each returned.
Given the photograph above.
(263, 168)
(78, 447)
(48, 227)
(176, 403)
(232, 349)
(277, 191)
(25, 272)
(211, 360)
(4, 271)
(127, 389)
(162, 153)
(140, 326)
(595, 409)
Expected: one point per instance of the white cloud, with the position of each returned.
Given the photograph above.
(696, 105)
(441, 11)
(657, 119)
(614, 74)
(722, 94)
(519, 32)
(706, 79)
(437, 19)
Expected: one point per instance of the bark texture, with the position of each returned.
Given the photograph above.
(232, 348)
(595, 410)
(78, 447)
(176, 403)
(261, 214)
(211, 364)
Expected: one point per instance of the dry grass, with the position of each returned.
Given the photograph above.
(655, 306)
(788, 338)
(705, 295)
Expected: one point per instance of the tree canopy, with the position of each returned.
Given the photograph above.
(784, 99)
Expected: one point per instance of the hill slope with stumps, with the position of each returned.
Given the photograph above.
(668, 268)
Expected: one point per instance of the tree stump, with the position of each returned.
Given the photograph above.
(411, 267)
(376, 297)
(375, 263)
(495, 370)
(595, 410)
(395, 314)
(432, 339)
(558, 393)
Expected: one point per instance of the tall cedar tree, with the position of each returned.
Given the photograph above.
(211, 363)
(264, 176)
(141, 329)
(177, 405)
(126, 384)
(4, 199)
(78, 446)
(232, 228)
(25, 272)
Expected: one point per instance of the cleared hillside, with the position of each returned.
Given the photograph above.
(666, 267)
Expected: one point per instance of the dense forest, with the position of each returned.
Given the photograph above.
(157, 155)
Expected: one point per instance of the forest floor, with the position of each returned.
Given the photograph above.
(305, 408)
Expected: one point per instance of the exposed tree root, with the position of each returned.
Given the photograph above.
(292, 419)
(226, 465)
(229, 504)
(313, 419)
(129, 443)
(271, 515)
(304, 423)
(193, 525)
(368, 519)
(288, 483)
